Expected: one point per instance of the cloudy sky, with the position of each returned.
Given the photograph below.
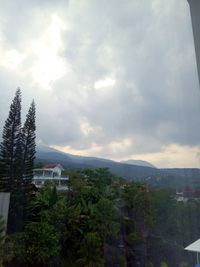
(110, 78)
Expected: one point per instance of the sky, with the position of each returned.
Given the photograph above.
(113, 79)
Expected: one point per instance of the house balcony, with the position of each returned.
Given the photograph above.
(59, 181)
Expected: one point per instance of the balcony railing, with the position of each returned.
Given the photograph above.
(60, 182)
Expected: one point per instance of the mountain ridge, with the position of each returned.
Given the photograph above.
(146, 174)
(78, 162)
(138, 163)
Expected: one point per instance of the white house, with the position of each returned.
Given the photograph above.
(50, 172)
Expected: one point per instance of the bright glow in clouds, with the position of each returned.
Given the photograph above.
(95, 149)
(107, 82)
(12, 59)
(49, 66)
(118, 147)
(173, 156)
(86, 128)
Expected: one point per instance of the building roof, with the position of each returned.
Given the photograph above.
(52, 165)
(49, 165)
(195, 247)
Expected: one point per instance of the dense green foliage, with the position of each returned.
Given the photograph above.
(104, 221)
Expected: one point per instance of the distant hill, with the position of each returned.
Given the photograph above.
(169, 178)
(138, 163)
(130, 171)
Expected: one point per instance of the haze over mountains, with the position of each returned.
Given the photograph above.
(131, 169)
(138, 163)
(45, 151)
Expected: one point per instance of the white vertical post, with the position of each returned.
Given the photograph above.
(4, 205)
(195, 16)
(197, 258)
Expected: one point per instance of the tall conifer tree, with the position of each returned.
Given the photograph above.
(17, 154)
(28, 146)
(9, 147)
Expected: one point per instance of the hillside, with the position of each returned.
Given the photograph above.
(138, 163)
(174, 178)
(78, 162)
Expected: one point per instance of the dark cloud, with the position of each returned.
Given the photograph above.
(144, 46)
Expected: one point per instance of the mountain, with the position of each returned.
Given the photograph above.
(138, 163)
(68, 161)
(168, 178)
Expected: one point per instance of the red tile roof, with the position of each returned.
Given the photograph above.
(49, 166)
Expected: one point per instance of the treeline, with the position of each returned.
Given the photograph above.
(101, 221)
(97, 223)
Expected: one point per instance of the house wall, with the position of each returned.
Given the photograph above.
(57, 170)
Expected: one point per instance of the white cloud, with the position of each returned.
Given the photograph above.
(173, 156)
(94, 149)
(48, 65)
(11, 59)
(86, 128)
(107, 82)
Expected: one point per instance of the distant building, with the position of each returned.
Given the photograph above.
(179, 196)
(50, 172)
(195, 16)
(188, 193)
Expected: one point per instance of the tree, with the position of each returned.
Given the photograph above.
(17, 154)
(90, 252)
(38, 245)
(11, 158)
(28, 146)
(104, 219)
(9, 148)
(138, 202)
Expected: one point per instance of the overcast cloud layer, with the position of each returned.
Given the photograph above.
(114, 79)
